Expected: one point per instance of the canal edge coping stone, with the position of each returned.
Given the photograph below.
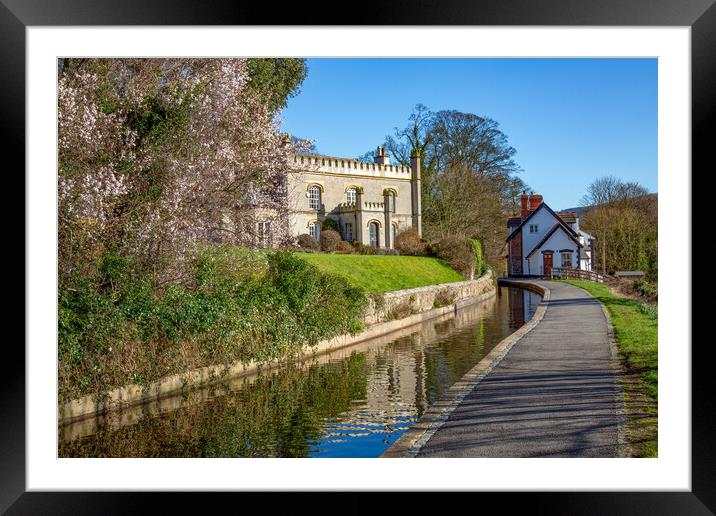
(415, 437)
(129, 395)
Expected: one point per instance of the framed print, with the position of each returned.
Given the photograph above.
(256, 239)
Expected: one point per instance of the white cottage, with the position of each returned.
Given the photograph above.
(541, 238)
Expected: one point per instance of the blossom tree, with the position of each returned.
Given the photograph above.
(156, 155)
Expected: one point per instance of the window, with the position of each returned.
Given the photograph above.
(390, 201)
(566, 259)
(373, 229)
(314, 229)
(314, 199)
(265, 233)
(534, 228)
(348, 232)
(351, 195)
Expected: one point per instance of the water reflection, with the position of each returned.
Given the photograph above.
(354, 402)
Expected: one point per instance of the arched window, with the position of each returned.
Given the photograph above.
(264, 233)
(373, 230)
(314, 197)
(351, 195)
(314, 229)
(390, 200)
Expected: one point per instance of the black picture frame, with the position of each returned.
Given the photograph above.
(700, 15)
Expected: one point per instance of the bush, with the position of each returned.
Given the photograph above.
(361, 248)
(117, 327)
(480, 265)
(329, 240)
(408, 243)
(458, 252)
(344, 247)
(309, 243)
(645, 289)
(330, 224)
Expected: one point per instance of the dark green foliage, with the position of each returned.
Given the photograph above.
(480, 265)
(329, 240)
(241, 305)
(309, 243)
(330, 224)
(277, 79)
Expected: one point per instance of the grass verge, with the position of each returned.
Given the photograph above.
(636, 333)
(379, 274)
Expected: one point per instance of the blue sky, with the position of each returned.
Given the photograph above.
(570, 120)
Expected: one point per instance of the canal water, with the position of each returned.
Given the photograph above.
(353, 402)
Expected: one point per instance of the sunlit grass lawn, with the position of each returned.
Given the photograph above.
(385, 273)
(636, 333)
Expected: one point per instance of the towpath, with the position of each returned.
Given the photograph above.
(556, 393)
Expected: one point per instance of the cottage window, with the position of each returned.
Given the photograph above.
(314, 229)
(314, 198)
(348, 232)
(566, 259)
(373, 230)
(534, 228)
(351, 195)
(264, 233)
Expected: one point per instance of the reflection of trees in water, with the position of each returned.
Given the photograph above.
(278, 416)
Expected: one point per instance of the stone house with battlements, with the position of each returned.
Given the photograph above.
(371, 202)
(540, 239)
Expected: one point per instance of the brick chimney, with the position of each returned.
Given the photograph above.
(524, 210)
(380, 156)
(535, 201)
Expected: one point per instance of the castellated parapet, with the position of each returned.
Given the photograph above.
(329, 164)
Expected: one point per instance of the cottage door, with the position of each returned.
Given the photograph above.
(547, 263)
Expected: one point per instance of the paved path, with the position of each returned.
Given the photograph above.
(555, 394)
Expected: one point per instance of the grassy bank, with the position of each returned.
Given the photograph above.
(384, 273)
(636, 332)
(119, 326)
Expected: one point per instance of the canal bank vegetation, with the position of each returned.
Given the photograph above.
(119, 326)
(636, 333)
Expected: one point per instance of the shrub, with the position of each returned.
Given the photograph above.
(330, 224)
(117, 326)
(309, 243)
(344, 247)
(361, 248)
(458, 253)
(329, 240)
(644, 288)
(408, 243)
(480, 265)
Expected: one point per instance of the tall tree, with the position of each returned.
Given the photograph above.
(623, 217)
(276, 79)
(158, 154)
(461, 154)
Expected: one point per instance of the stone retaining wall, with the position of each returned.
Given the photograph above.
(403, 303)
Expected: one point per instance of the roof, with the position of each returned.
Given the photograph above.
(569, 217)
(549, 234)
(513, 221)
(569, 230)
